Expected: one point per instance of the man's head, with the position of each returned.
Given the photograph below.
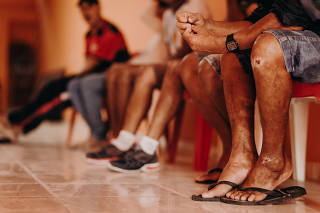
(91, 11)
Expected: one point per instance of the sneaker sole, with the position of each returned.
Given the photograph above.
(151, 167)
(100, 162)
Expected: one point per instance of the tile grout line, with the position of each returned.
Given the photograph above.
(41, 183)
(172, 191)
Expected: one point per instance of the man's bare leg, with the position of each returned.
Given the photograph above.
(111, 85)
(171, 95)
(239, 95)
(168, 103)
(146, 80)
(212, 85)
(274, 88)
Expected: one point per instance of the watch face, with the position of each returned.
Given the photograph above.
(232, 46)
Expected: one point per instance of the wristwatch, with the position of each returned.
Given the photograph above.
(231, 44)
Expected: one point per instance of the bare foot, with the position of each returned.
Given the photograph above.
(9, 130)
(236, 171)
(210, 176)
(269, 172)
(215, 173)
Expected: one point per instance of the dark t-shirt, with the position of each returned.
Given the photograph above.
(291, 13)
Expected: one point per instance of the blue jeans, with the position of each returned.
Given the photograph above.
(86, 95)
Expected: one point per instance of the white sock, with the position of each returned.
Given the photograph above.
(148, 145)
(124, 141)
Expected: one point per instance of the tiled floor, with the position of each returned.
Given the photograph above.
(45, 178)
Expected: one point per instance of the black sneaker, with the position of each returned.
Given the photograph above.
(108, 153)
(135, 160)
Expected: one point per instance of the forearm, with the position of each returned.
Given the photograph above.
(226, 28)
(245, 37)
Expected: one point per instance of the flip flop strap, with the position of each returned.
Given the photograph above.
(215, 170)
(274, 193)
(233, 185)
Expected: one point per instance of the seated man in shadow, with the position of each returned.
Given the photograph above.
(137, 83)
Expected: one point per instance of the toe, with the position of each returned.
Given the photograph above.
(252, 197)
(245, 196)
(238, 195)
(229, 194)
(259, 197)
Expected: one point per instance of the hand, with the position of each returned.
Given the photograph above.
(185, 19)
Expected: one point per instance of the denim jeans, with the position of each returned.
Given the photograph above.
(86, 95)
(301, 51)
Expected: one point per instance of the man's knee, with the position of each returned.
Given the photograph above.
(207, 74)
(189, 66)
(266, 52)
(146, 78)
(111, 75)
(74, 86)
(229, 63)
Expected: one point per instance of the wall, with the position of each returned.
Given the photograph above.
(12, 12)
(64, 30)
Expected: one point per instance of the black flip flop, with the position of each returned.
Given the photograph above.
(209, 173)
(213, 199)
(274, 197)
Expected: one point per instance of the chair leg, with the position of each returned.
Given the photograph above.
(71, 127)
(299, 111)
(202, 143)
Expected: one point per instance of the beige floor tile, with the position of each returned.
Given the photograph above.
(23, 190)
(14, 173)
(31, 205)
(46, 178)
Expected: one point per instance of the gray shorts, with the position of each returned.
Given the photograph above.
(301, 50)
(212, 59)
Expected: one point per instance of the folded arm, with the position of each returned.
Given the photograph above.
(210, 37)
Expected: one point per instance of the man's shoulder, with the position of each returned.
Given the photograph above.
(110, 26)
(105, 27)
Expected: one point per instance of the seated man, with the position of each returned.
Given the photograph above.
(104, 45)
(276, 36)
(87, 93)
(144, 79)
(198, 81)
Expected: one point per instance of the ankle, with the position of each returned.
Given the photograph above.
(273, 162)
(124, 141)
(148, 145)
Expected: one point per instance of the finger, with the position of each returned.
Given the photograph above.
(195, 18)
(293, 28)
(182, 27)
(182, 17)
(196, 28)
(187, 35)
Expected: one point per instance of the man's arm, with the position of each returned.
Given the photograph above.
(212, 39)
(90, 64)
(216, 27)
